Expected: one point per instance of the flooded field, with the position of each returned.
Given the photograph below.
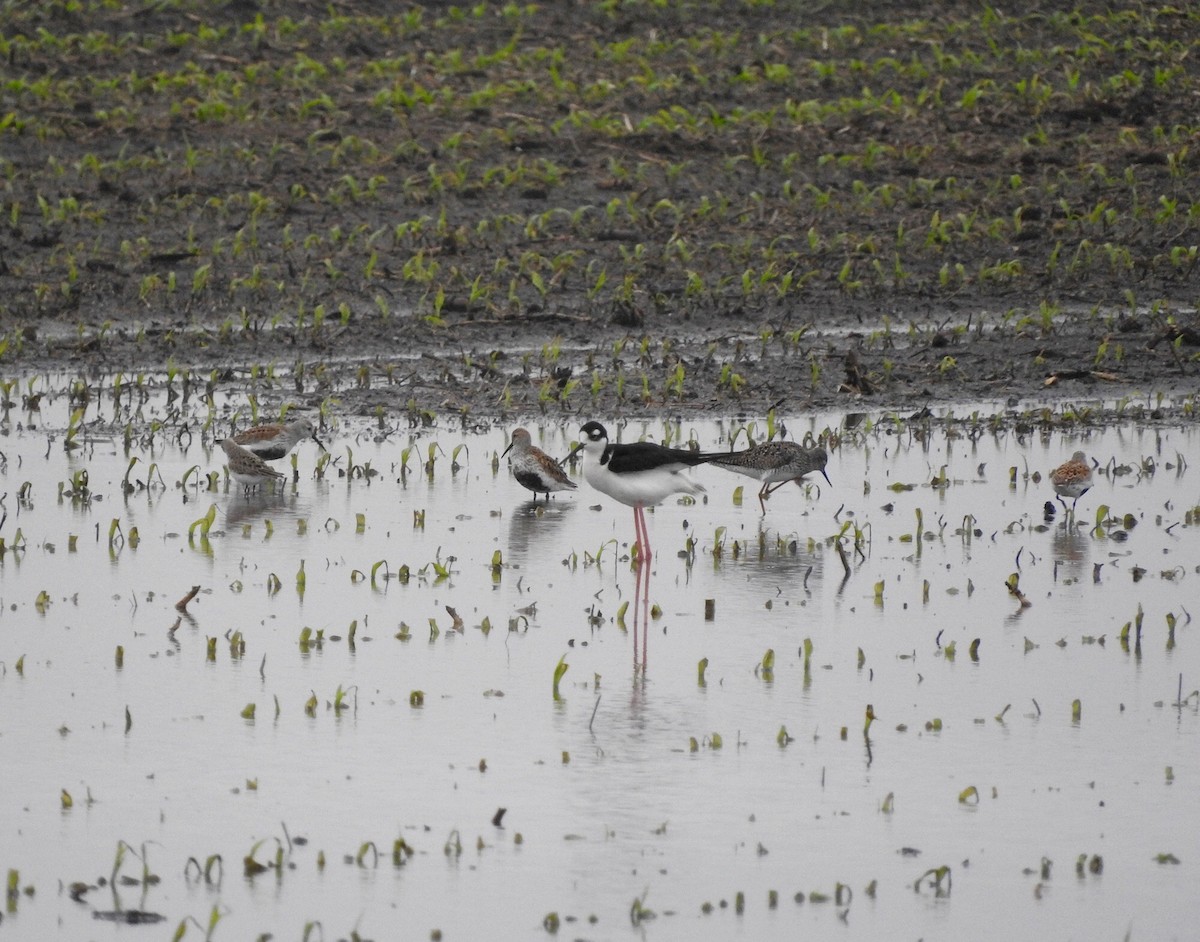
(361, 722)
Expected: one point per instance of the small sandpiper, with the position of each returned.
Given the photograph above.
(533, 468)
(247, 469)
(272, 442)
(639, 474)
(776, 463)
(1072, 479)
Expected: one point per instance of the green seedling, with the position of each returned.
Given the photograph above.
(559, 670)
(310, 639)
(638, 913)
(401, 852)
(147, 878)
(73, 426)
(125, 485)
(203, 524)
(213, 864)
(936, 878)
(252, 867)
(364, 849)
(339, 699)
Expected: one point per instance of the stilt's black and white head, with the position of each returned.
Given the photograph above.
(593, 433)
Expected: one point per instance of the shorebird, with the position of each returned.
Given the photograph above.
(533, 468)
(774, 464)
(1072, 479)
(272, 442)
(639, 474)
(246, 468)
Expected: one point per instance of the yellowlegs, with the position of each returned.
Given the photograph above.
(774, 464)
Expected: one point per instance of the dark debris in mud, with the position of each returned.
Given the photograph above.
(129, 917)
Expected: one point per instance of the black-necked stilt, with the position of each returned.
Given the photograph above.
(272, 442)
(1072, 479)
(639, 474)
(774, 464)
(246, 468)
(533, 468)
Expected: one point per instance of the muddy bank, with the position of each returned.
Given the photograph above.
(586, 209)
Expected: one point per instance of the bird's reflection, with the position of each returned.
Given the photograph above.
(246, 508)
(782, 559)
(1070, 547)
(533, 522)
(641, 617)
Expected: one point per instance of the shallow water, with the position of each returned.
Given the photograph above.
(607, 803)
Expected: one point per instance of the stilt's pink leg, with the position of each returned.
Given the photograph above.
(642, 536)
(645, 534)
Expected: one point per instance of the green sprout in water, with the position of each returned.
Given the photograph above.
(253, 867)
(339, 698)
(559, 670)
(638, 913)
(73, 429)
(203, 524)
(766, 668)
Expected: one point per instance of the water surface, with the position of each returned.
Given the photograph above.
(639, 782)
